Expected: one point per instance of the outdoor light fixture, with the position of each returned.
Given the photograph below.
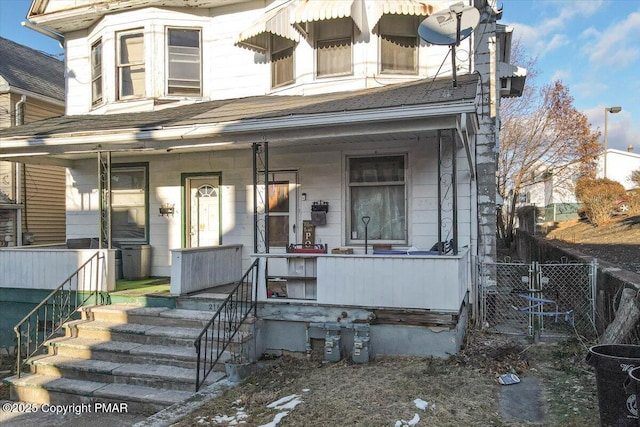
(612, 110)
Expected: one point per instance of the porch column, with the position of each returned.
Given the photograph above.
(104, 191)
(447, 191)
(260, 197)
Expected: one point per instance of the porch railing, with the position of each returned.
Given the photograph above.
(47, 318)
(219, 332)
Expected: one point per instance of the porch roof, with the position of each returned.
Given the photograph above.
(408, 107)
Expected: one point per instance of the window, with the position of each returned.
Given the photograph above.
(377, 189)
(282, 72)
(333, 47)
(130, 63)
(129, 211)
(184, 59)
(398, 44)
(96, 73)
(279, 213)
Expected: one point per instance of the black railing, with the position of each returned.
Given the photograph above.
(225, 323)
(47, 318)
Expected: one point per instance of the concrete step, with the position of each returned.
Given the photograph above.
(123, 352)
(36, 388)
(164, 377)
(142, 333)
(158, 316)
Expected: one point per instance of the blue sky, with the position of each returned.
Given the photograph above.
(592, 46)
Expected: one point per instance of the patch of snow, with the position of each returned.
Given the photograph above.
(274, 405)
(413, 421)
(276, 419)
(421, 404)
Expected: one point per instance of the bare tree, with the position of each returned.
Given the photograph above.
(541, 132)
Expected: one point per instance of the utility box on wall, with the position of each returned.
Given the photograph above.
(332, 343)
(361, 344)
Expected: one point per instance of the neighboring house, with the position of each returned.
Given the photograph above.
(620, 165)
(32, 196)
(195, 125)
(552, 192)
(555, 191)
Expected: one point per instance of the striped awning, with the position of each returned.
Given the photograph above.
(319, 10)
(402, 7)
(276, 21)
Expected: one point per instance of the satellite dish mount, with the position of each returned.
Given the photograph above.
(449, 27)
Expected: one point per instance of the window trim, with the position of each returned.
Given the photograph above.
(168, 77)
(134, 166)
(94, 77)
(119, 67)
(349, 186)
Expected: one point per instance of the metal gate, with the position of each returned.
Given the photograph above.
(538, 299)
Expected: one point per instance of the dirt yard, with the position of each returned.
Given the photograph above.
(404, 391)
(617, 242)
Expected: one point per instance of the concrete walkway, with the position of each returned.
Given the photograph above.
(523, 401)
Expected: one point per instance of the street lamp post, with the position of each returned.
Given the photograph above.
(611, 110)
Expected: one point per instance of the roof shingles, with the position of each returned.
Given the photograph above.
(265, 107)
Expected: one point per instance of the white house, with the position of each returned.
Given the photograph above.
(620, 166)
(196, 125)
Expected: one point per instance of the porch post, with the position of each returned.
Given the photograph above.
(104, 192)
(261, 197)
(439, 189)
(454, 183)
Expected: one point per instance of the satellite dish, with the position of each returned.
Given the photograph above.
(448, 27)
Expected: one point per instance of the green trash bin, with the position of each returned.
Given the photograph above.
(136, 261)
(612, 363)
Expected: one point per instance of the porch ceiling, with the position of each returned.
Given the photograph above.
(409, 109)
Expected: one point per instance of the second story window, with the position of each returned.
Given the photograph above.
(96, 73)
(130, 64)
(282, 71)
(398, 44)
(184, 62)
(333, 47)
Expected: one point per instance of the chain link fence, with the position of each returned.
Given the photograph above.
(536, 299)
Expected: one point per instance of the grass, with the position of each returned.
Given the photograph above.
(462, 390)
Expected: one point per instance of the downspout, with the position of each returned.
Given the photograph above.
(19, 112)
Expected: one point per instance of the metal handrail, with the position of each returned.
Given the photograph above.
(225, 323)
(47, 318)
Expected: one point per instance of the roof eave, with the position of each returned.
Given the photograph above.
(290, 128)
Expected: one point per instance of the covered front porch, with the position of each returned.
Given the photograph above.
(219, 185)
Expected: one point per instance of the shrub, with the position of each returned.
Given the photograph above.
(598, 195)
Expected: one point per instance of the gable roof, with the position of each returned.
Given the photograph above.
(29, 70)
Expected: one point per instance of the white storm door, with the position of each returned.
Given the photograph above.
(203, 211)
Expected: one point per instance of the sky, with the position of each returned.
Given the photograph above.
(592, 46)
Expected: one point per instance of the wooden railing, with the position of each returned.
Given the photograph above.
(47, 318)
(220, 331)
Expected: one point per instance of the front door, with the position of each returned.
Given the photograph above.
(283, 208)
(202, 210)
